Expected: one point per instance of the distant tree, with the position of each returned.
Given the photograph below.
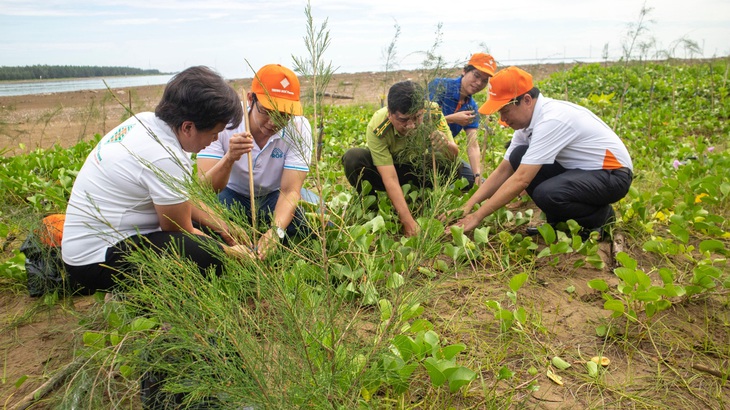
(36, 72)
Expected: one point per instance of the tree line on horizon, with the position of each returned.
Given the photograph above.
(42, 72)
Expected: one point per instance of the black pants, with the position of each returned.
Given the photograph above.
(103, 276)
(358, 165)
(585, 196)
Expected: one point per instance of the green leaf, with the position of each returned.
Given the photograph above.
(614, 305)
(626, 260)
(431, 339)
(592, 368)
(20, 381)
(441, 265)
(406, 347)
(386, 309)
(560, 363)
(395, 280)
(94, 339)
(517, 281)
(450, 351)
(679, 232)
(520, 314)
(628, 275)
(650, 309)
(598, 284)
(142, 323)
(481, 235)
(420, 325)
(457, 235)
(452, 251)
(666, 275)
(460, 377)
(560, 247)
(434, 371)
(114, 338)
(376, 224)
(547, 232)
(596, 261)
(505, 373)
(126, 371)
(712, 245)
(647, 296)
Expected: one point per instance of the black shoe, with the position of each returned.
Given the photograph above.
(585, 233)
(533, 230)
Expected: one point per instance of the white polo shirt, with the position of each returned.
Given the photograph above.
(135, 166)
(290, 148)
(571, 135)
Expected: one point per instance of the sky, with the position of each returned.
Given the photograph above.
(237, 37)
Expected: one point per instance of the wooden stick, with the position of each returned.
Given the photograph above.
(46, 387)
(244, 104)
(713, 372)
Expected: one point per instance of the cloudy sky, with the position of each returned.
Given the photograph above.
(171, 35)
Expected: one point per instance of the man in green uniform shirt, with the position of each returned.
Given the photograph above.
(400, 140)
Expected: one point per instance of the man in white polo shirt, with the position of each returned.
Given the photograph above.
(567, 159)
(280, 143)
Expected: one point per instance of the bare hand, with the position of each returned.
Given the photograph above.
(411, 228)
(240, 251)
(267, 243)
(235, 235)
(462, 118)
(469, 223)
(239, 144)
(438, 141)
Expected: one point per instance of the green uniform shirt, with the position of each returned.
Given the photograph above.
(384, 142)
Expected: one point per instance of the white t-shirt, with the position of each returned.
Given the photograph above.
(571, 135)
(290, 148)
(113, 197)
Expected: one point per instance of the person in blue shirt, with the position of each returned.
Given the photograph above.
(454, 96)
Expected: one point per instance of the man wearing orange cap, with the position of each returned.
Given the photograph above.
(571, 163)
(280, 143)
(454, 96)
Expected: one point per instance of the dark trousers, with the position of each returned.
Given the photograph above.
(265, 205)
(585, 196)
(104, 276)
(358, 165)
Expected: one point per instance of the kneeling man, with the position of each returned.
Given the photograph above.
(569, 161)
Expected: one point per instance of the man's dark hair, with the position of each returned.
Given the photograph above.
(406, 97)
(468, 68)
(200, 95)
(534, 92)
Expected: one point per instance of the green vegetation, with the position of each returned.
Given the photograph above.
(361, 317)
(44, 72)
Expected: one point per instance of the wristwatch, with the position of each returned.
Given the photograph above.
(280, 233)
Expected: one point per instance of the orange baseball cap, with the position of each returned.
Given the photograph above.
(484, 63)
(504, 87)
(277, 88)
